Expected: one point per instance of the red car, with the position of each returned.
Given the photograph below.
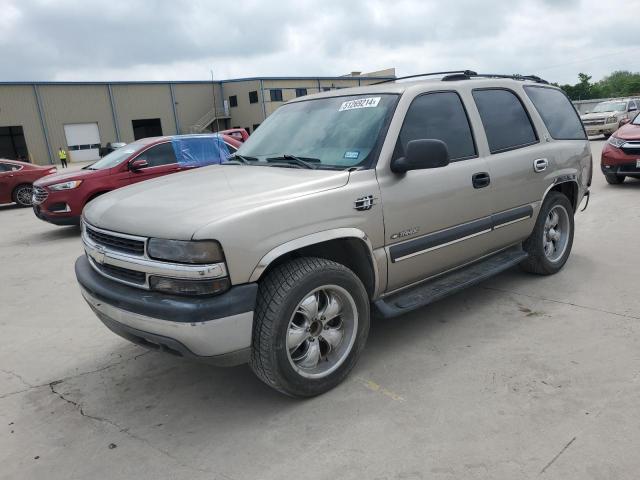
(239, 134)
(59, 199)
(621, 153)
(16, 180)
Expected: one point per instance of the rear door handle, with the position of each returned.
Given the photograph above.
(480, 180)
(540, 165)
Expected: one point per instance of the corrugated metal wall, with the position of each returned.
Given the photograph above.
(18, 107)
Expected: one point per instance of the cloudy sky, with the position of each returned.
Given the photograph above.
(185, 39)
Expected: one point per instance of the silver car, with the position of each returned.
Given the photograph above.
(385, 197)
(607, 117)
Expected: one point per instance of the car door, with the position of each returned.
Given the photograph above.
(6, 183)
(435, 219)
(521, 165)
(161, 160)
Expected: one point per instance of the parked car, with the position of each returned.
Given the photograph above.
(621, 154)
(607, 116)
(239, 134)
(388, 196)
(16, 180)
(59, 199)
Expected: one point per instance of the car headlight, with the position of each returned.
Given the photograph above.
(180, 251)
(612, 120)
(65, 185)
(177, 286)
(616, 142)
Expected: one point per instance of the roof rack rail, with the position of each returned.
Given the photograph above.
(468, 73)
(515, 76)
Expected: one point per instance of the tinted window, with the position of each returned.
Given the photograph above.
(162, 154)
(4, 167)
(233, 101)
(557, 113)
(505, 120)
(301, 92)
(253, 97)
(440, 116)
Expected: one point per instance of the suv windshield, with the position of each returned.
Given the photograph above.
(115, 157)
(610, 107)
(335, 132)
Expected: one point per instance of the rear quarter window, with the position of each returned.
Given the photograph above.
(557, 112)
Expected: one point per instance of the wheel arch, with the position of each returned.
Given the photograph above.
(568, 188)
(349, 246)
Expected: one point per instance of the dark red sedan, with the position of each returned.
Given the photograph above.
(621, 153)
(16, 180)
(59, 199)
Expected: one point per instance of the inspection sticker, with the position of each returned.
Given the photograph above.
(359, 103)
(352, 155)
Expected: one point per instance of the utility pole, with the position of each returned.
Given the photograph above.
(215, 110)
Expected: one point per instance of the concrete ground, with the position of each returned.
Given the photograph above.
(520, 377)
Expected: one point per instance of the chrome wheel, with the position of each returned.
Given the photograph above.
(556, 233)
(322, 331)
(23, 195)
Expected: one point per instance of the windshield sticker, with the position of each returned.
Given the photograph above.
(351, 155)
(359, 103)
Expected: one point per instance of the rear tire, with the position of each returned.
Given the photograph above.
(549, 245)
(614, 179)
(311, 323)
(22, 195)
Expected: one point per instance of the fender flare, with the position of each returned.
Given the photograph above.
(313, 239)
(568, 178)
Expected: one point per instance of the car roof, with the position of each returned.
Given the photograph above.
(402, 86)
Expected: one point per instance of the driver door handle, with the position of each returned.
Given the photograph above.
(480, 180)
(540, 165)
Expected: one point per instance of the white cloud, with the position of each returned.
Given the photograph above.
(182, 40)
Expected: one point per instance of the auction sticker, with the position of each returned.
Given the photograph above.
(359, 103)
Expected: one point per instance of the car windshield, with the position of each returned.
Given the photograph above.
(636, 120)
(117, 156)
(610, 107)
(334, 132)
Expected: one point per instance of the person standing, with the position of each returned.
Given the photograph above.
(62, 155)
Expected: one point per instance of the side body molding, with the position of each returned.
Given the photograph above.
(313, 239)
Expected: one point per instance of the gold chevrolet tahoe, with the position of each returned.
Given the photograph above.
(385, 197)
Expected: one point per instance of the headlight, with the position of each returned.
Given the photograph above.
(612, 120)
(66, 185)
(616, 142)
(200, 252)
(177, 286)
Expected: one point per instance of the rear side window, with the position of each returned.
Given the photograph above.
(440, 116)
(505, 120)
(557, 113)
(162, 154)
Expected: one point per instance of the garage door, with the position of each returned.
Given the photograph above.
(83, 140)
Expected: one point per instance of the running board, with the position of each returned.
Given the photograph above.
(444, 285)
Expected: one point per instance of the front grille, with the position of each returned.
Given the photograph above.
(39, 195)
(113, 242)
(123, 274)
(590, 123)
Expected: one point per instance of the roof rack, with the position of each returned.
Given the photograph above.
(462, 72)
(466, 75)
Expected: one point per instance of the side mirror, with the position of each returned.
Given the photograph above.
(138, 164)
(624, 121)
(422, 154)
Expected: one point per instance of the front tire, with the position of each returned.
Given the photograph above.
(614, 179)
(22, 195)
(310, 326)
(549, 245)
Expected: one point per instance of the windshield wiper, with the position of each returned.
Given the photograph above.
(295, 160)
(240, 159)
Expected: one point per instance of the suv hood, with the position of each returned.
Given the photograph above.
(628, 132)
(68, 176)
(176, 206)
(598, 116)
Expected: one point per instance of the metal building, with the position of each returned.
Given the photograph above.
(37, 118)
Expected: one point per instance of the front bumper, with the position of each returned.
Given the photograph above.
(215, 329)
(605, 129)
(56, 219)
